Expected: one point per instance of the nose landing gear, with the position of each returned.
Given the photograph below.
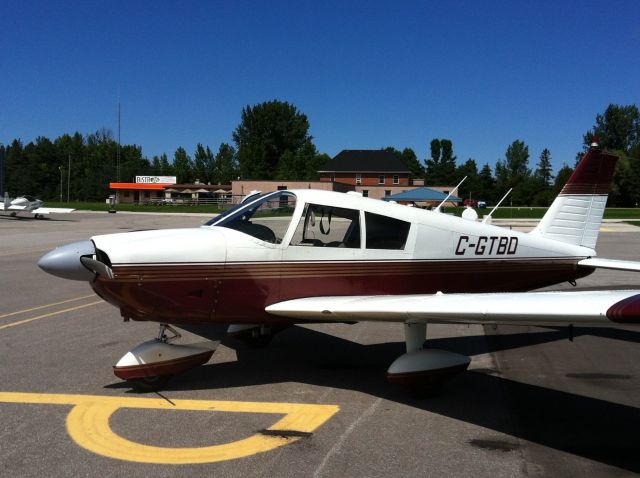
(149, 366)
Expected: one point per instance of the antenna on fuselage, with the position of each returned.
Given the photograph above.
(437, 209)
(488, 216)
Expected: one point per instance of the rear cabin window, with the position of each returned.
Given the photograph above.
(385, 232)
(327, 226)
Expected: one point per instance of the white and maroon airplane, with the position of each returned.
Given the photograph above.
(30, 205)
(305, 256)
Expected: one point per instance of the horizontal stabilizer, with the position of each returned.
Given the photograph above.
(614, 264)
(584, 308)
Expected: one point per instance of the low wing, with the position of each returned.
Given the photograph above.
(610, 264)
(49, 210)
(585, 308)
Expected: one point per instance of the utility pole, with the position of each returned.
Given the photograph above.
(60, 169)
(118, 153)
(68, 177)
(2, 169)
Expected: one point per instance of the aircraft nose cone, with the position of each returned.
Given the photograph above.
(64, 261)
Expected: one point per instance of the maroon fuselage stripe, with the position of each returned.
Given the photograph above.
(239, 292)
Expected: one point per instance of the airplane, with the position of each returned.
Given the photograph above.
(31, 205)
(309, 256)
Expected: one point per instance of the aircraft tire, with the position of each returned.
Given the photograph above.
(258, 342)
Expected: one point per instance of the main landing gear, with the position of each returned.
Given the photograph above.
(148, 366)
(424, 371)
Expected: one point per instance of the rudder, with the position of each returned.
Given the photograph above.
(576, 214)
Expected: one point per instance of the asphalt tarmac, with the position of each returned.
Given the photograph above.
(533, 402)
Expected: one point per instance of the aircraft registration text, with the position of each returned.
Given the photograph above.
(487, 245)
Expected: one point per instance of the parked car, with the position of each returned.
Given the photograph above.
(482, 204)
(470, 202)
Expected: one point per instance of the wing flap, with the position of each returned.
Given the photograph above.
(596, 308)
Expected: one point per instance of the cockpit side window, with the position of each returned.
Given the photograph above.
(266, 219)
(328, 226)
(385, 232)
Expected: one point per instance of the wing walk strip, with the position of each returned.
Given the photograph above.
(48, 314)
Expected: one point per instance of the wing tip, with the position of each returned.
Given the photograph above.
(626, 311)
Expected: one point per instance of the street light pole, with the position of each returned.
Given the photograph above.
(2, 180)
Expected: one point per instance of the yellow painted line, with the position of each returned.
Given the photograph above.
(45, 306)
(88, 425)
(20, 322)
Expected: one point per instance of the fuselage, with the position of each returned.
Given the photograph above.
(317, 243)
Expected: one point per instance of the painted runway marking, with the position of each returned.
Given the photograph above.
(50, 314)
(45, 306)
(88, 426)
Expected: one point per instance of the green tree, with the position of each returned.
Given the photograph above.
(92, 172)
(486, 184)
(266, 131)
(409, 159)
(562, 177)
(166, 168)
(441, 167)
(513, 172)
(183, 166)
(156, 167)
(204, 168)
(470, 188)
(618, 130)
(301, 165)
(226, 165)
(543, 171)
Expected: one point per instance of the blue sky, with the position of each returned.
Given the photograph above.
(367, 74)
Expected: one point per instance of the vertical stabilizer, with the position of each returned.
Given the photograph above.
(576, 214)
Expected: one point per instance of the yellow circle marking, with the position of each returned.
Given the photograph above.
(88, 425)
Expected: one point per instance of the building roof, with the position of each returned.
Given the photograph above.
(421, 194)
(364, 161)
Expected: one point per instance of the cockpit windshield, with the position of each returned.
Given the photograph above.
(266, 217)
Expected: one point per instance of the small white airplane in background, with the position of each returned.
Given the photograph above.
(304, 256)
(30, 205)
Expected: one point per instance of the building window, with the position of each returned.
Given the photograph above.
(387, 192)
(146, 194)
(381, 179)
(365, 193)
(358, 178)
(332, 178)
(126, 194)
(396, 179)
